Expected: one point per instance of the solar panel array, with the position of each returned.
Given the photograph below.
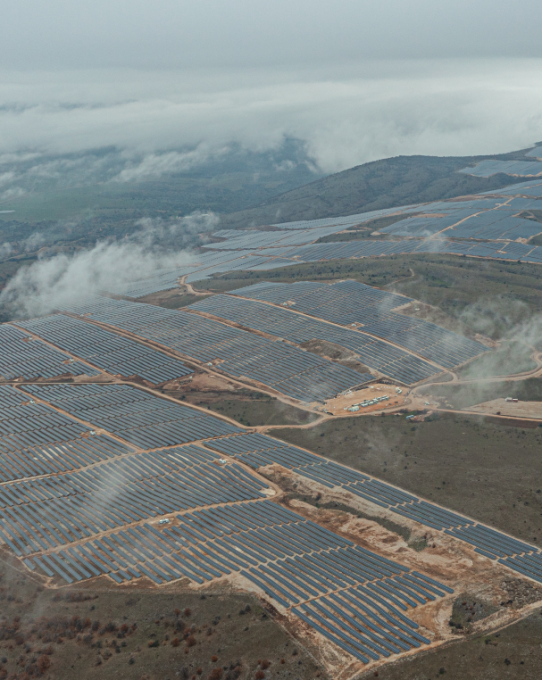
(238, 353)
(275, 248)
(531, 189)
(370, 248)
(343, 221)
(208, 263)
(501, 223)
(258, 450)
(38, 440)
(393, 362)
(108, 351)
(135, 415)
(25, 357)
(100, 518)
(346, 302)
(249, 240)
(520, 168)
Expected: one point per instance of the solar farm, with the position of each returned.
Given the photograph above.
(112, 481)
(108, 476)
(498, 227)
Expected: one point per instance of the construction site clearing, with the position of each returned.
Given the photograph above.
(510, 407)
(366, 400)
(496, 598)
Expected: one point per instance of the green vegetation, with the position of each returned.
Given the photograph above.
(172, 301)
(260, 409)
(487, 470)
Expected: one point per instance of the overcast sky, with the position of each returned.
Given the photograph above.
(356, 79)
(181, 33)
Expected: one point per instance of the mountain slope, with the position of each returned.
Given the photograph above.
(380, 184)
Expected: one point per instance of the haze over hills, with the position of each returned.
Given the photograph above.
(372, 186)
(68, 203)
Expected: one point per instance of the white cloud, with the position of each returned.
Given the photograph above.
(346, 116)
(65, 280)
(13, 192)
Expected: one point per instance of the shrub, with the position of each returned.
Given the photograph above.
(154, 643)
(190, 641)
(43, 663)
(265, 664)
(175, 642)
(259, 675)
(216, 674)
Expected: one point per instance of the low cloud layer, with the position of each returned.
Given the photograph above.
(65, 280)
(147, 124)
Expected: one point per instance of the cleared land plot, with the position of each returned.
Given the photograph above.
(522, 409)
(484, 469)
(464, 396)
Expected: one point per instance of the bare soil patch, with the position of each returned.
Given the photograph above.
(336, 353)
(487, 470)
(248, 407)
(525, 409)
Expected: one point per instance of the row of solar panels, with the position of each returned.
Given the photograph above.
(95, 521)
(369, 248)
(286, 368)
(286, 578)
(351, 302)
(218, 262)
(124, 491)
(519, 168)
(491, 225)
(247, 240)
(392, 361)
(138, 418)
(24, 357)
(259, 450)
(106, 350)
(292, 561)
